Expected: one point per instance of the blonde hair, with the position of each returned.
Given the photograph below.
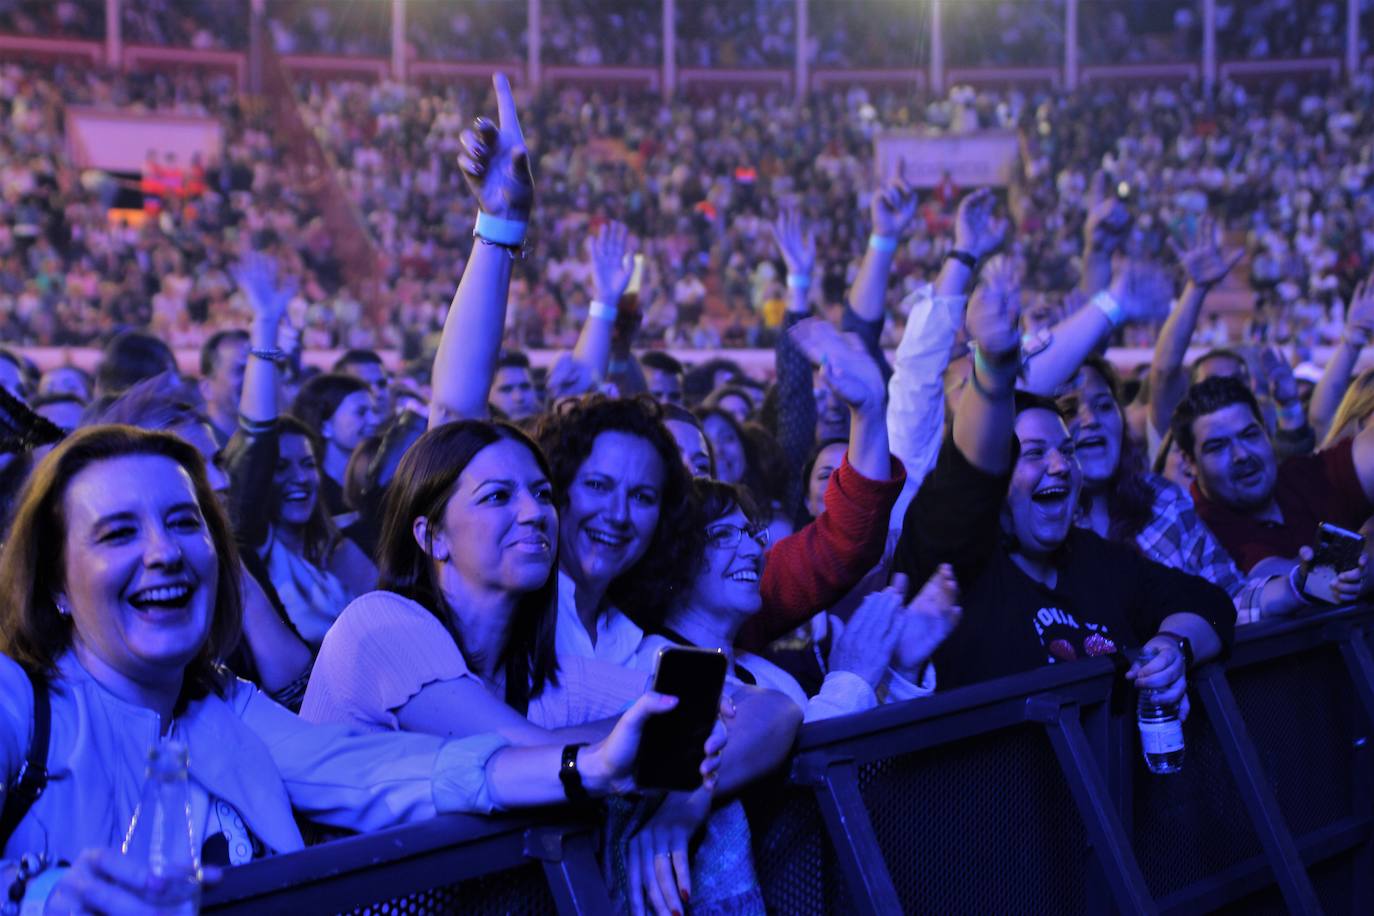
(1354, 409)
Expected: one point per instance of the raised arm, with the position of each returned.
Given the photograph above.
(612, 265)
(893, 210)
(796, 402)
(1359, 323)
(847, 367)
(268, 295)
(495, 163)
(916, 398)
(984, 420)
(1206, 265)
(1103, 234)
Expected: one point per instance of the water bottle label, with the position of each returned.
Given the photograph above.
(1161, 737)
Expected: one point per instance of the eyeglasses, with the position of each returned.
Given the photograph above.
(727, 537)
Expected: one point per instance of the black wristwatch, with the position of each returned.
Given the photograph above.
(570, 778)
(1185, 645)
(963, 257)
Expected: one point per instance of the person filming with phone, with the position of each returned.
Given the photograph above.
(1268, 514)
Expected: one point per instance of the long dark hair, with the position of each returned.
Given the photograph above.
(320, 536)
(1130, 498)
(33, 564)
(421, 488)
(568, 435)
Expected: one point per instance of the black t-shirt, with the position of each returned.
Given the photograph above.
(1106, 597)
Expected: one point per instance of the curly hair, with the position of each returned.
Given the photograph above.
(421, 488)
(568, 435)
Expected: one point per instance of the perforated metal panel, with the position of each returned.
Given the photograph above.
(986, 825)
(1191, 824)
(1300, 713)
(518, 892)
(794, 858)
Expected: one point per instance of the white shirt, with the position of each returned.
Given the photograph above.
(617, 637)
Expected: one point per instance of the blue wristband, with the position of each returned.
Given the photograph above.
(798, 281)
(599, 309)
(498, 231)
(884, 243)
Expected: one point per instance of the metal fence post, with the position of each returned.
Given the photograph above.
(1095, 802)
(1256, 792)
(836, 784)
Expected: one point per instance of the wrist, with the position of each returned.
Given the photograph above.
(599, 309)
(1107, 303)
(886, 244)
(961, 255)
(595, 773)
(798, 280)
(264, 334)
(1291, 415)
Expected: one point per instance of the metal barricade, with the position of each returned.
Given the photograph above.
(1022, 795)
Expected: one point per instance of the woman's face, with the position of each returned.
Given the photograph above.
(1097, 429)
(354, 420)
(296, 481)
(140, 570)
(728, 449)
(827, 463)
(499, 523)
(727, 584)
(691, 445)
(613, 508)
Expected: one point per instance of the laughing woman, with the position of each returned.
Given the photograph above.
(122, 593)
(275, 471)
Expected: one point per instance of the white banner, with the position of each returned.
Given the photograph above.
(984, 159)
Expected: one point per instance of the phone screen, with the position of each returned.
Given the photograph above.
(1337, 550)
(673, 744)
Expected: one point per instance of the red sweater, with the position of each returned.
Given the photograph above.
(809, 571)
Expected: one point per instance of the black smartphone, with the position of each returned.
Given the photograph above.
(673, 744)
(1336, 551)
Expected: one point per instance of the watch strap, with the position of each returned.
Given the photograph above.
(1185, 645)
(570, 777)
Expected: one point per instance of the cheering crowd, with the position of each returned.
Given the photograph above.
(369, 595)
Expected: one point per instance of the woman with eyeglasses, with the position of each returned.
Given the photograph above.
(881, 653)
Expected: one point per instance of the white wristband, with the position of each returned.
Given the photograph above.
(884, 243)
(599, 309)
(1107, 304)
(798, 281)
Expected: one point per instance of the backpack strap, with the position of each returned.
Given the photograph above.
(33, 775)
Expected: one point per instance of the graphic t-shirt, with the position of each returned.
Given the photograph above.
(1106, 595)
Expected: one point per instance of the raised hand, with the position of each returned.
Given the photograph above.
(1359, 316)
(844, 363)
(495, 161)
(1204, 261)
(926, 621)
(611, 251)
(993, 319)
(864, 645)
(1108, 218)
(894, 208)
(1278, 377)
(1136, 289)
(268, 294)
(796, 241)
(977, 227)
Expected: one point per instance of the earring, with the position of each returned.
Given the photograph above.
(63, 609)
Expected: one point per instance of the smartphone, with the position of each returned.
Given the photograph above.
(673, 744)
(1336, 551)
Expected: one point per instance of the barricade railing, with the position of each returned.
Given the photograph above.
(1024, 794)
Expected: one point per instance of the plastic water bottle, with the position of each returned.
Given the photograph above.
(1161, 733)
(160, 833)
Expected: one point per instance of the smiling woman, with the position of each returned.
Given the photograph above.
(623, 521)
(124, 596)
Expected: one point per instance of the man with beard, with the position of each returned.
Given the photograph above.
(1000, 505)
(1260, 509)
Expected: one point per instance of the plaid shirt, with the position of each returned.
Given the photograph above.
(1177, 538)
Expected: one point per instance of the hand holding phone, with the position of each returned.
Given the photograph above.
(673, 745)
(1337, 551)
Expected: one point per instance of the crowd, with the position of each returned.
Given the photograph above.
(365, 596)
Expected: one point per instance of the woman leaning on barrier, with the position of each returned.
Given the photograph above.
(123, 591)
